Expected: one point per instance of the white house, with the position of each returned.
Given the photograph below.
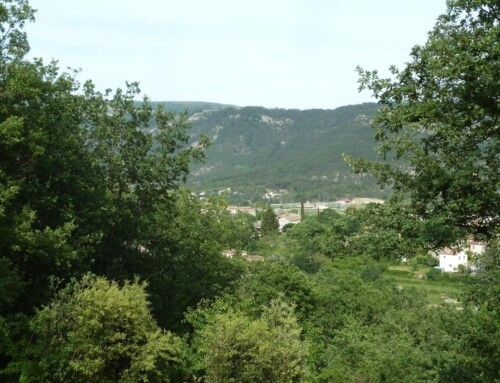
(477, 247)
(451, 259)
(284, 219)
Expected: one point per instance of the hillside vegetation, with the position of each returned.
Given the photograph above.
(111, 271)
(255, 148)
(190, 106)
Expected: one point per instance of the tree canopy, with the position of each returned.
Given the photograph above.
(95, 330)
(270, 222)
(111, 272)
(441, 119)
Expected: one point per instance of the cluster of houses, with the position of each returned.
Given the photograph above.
(233, 209)
(284, 218)
(452, 260)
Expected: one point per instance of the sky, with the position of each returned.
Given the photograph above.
(274, 53)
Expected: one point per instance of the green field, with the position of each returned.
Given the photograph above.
(446, 288)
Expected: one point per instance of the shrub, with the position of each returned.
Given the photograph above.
(372, 272)
(427, 260)
(434, 274)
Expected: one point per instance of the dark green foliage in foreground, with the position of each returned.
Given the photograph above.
(183, 261)
(84, 189)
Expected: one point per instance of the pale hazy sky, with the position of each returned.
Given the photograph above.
(273, 53)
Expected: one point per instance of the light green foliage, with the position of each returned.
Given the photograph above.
(327, 233)
(309, 235)
(343, 294)
(387, 231)
(221, 227)
(441, 120)
(374, 354)
(95, 330)
(237, 347)
(425, 260)
(375, 332)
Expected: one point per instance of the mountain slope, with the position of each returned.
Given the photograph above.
(255, 148)
(190, 106)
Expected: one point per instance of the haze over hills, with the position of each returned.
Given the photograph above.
(255, 149)
(190, 106)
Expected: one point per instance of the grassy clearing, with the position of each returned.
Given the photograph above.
(445, 288)
(276, 245)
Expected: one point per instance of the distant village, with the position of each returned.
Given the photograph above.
(451, 260)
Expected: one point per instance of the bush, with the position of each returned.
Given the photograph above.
(98, 331)
(434, 274)
(309, 263)
(427, 260)
(372, 272)
(235, 347)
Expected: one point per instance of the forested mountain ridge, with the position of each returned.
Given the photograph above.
(300, 150)
(190, 106)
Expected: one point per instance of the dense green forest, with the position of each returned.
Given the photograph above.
(189, 106)
(255, 149)
(112, 271)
